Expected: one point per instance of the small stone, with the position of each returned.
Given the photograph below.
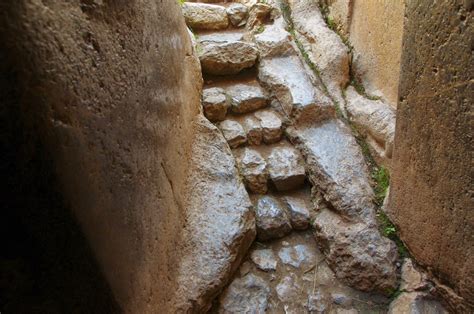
(285, 167)
(272, 220)
(253, 129)
(205, 16)
(341, 299)
(274, 40)
(297, 256)
(233, 132)
(246, 98)
(215, 104)
(288, 288)
(253, 168)
(414, 303)
(264, 259)
(248, 294)
(271, 126)
(259, 13)
(299, 213)
(227, 58)
(317, 303)
(411, 278)
(238, 14)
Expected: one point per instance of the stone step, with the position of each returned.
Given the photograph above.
(229, 35)
(281, 163)
(290, 275)
(220, 224)
(300, 99)
(261, 126)
(205, 16)
(226, 58)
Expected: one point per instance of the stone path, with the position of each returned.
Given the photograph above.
(301, 167)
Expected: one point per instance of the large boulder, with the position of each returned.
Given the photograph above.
(357, 253)
(220, 224)
(373, 118)
(205, 16)
(226, 58)
(323, 46)
(299, 98)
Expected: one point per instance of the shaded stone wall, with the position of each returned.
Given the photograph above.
(375, 30)
(431, 187)
(111, 88)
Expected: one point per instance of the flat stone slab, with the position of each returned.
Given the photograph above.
(215, 103)
(220, 224)
(286, 168)
(265, 259)
(373, 118)
(205, 16)
(233, 132)
(253, 168)
(272, 219)
(298, 256)
(299, 97)
(230, 35)
(271, 125)
(246, 97)
(336, 165)
(226, 58)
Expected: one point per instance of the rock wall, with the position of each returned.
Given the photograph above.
(431, 186)
(111, 89)
(375, 30)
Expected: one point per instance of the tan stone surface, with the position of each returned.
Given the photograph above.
(431, 184)
(113, 88)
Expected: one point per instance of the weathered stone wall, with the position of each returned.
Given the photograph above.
(431, 187)
(112, 87)
(375, 30)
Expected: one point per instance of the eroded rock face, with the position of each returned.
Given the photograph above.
(205, 16)
(357, 253)
(238, 14)
(254, 170)
(218, 229)
(372, 117)
(226, 58)
(248, 294)
(285, 168)
(324, 47)
(215, 103)
(272, 219)
(415, 303)
(247, 97)
(233, 132)
(271, 126)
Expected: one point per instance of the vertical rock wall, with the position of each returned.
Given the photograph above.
(111, 89)
(431, 190)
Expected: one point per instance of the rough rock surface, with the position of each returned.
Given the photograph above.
(412, 279)
(253, 168)
(415, 303)
(205, 16)
(300, 99)
(357, 253)
(245, 295)
(373, 118)
(299, 212)
(285, 168)
(324, 47)
(226, 58)
(336, 165)
(253, 129)
(259, 13)
(218, 229)
(271, 125)
(272, 219)
(233, 132)
(274, 40)
(297, 256)
(246, 97)
(265, 259)
(214, 103)
(238, 14)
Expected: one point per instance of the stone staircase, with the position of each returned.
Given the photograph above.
(302, 170)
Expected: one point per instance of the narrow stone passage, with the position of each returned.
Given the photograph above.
(301, 166)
